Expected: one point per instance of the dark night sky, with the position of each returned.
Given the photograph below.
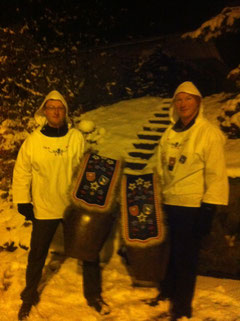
(142, 17)
(171, 16)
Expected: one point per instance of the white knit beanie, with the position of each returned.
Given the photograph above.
(189, 88)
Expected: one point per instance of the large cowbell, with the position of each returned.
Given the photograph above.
(89, 220)
(85, 233)
(143, 228)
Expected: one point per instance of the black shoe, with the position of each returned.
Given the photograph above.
(154, 301)
(178, 313)
(178, 316)
(99, 305)
(24, 311)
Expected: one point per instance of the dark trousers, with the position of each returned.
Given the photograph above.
(92, 281)
(180, 279)
(42, 234)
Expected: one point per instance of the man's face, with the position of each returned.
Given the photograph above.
(55, 113)
(186, 106)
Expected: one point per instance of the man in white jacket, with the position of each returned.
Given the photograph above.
(193, 175)
(41, 179)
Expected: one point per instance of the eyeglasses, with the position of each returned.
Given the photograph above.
(51, 108)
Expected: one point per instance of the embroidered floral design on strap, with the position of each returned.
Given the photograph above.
(142, 217)
(96, 182)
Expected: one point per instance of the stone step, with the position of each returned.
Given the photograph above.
(167, 101)
(144, 144)
(159, 121)
(149, 135)
(162, 115)
(150, 127)
(130, 171)
(136, 164)
(140, 153)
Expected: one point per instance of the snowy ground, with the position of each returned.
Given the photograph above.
(62, 298)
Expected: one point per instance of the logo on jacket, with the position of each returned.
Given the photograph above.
(171, 163)
(182, 159)
(57, 151)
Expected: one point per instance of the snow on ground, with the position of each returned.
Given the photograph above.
(61, 285)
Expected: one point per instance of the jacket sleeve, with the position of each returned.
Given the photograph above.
(216, 180)
(22, 174)
(83, 145)
(159, 162)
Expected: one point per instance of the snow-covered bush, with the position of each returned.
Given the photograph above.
(86, 126)
(230, 118)
(12, 135)
(234, 75)
(226, 22)
(92, 134)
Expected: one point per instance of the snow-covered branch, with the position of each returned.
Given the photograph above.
(226, 21)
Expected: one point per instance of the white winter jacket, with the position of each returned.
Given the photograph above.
(44, 168)
(191, 163)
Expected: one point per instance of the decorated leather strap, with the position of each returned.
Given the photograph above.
(95, 183)
(142, 216)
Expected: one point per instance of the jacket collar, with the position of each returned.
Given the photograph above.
(54, 132)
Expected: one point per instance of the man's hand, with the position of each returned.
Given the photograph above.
(206, 218)
(26, 209)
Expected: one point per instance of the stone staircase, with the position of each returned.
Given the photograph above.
(144, 146)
